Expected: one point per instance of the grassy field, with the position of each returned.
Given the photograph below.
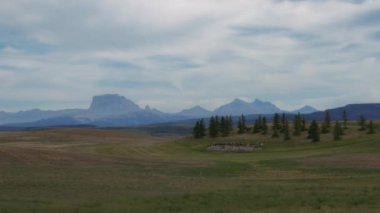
(96, 170)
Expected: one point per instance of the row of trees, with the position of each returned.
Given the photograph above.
(223, 126)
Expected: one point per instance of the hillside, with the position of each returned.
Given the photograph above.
(119, 170)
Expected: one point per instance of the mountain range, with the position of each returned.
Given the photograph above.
(112, 110)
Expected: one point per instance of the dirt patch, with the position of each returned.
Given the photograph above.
(345, 161)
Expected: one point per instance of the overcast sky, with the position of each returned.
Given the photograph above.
(174, 54)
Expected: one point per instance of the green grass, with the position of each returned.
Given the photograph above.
(92, 170)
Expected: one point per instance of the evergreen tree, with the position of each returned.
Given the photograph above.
(256, 127)
(199, 130)
(224, 128)
(314, 132)
(213, 128)
(345, 119)
(297, 124)
(286, 131)
(230, 124)
(304, 128)
(327, 123)
(275, 133)
(337, 131)
(260, 122)
(202, 128)
(241, 125)
(362, 123)
(276, 122)
(283, 120)
(196, 130)
(264, 126)
(371, 128)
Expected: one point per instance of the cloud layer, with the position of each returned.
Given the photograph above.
(173, 54)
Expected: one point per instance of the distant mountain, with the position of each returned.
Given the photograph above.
(305, 110)
(112, 104)
(238, 107)
(370, 111)
(195, 112)
(113, 110)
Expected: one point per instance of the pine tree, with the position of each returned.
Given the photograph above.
(276, 121)
(362, 123)
(275, 133)
(314, 132)
(199, 130)
(297, 124)
(256, 127)
(337, 131)
(213, 127)
(371, 128)
(304, 128)
(196, 130)
(327, 123)
(241, 125)
(286, 131)
(345, 119)
(224, 129)
(230, 124)
(283, 120)
(264, 126)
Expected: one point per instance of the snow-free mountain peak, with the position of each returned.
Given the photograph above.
(195, 112)
(305, 110)
(238, 107)
(113, 104)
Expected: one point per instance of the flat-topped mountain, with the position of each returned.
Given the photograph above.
(112, 104)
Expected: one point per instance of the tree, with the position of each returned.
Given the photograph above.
(224, 128)
(314, 132)
(371, 128)
(230, 124)
(276, 122)
(304, 128)
(297, 124)
(362, 123)
(199, 130)
(337, 131)
(275, 133)
(264, 126)
(241, 125)
(286, 131)
(327, 123)
(256, 127)
(345, 119)
(283, 120)
(213, 129)
(196, 130)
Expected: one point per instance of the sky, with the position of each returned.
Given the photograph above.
(174, 54)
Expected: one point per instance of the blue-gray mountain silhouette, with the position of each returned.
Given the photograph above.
(115, 110)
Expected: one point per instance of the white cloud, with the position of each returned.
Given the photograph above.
(191, 52)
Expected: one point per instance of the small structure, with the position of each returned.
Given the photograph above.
(234, 147)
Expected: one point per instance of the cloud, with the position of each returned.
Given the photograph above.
(172, 54)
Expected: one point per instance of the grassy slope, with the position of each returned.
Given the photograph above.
(93, 170)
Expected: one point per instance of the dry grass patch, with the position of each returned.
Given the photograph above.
(345, 161)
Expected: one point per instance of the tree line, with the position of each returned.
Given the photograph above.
(223, 126)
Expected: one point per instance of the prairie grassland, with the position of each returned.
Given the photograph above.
(97, 170)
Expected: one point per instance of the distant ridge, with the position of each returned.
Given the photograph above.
(112, 110)
(238, 107)
(305, 110)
